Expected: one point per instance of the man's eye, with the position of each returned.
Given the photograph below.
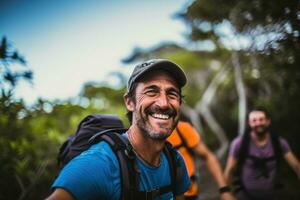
(173, 95)
(151, 92)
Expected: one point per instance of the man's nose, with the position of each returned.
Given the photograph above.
(163, 101)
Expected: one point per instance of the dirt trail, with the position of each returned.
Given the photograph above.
(208, 189)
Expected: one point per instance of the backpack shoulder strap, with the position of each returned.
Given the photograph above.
(128, 167)
(174, 167)
(173, 163)
(183, 142)
(276, 146)
(126, 158)
(243, 150)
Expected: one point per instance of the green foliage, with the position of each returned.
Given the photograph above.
(266, 34)
(9, 74)
(30, 138)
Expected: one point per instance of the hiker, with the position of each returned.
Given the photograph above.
(252, 164)
(187, 140)
(153, 101)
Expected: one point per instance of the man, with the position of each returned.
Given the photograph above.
(186, 139)
(153, 100)
(254, 159)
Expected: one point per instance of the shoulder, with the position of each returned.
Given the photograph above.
(189, 133)
(284, 145)
(98, 171)
(235, 145)
(185, 126)
(237, 141)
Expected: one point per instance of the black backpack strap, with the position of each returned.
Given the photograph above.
(237, 183)
(127, 163)
(150, 195)
(174, 166)
(276, 146)
(278, 153)
(129, 170)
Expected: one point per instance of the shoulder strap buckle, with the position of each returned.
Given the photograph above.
(150, 195)
(129, 151)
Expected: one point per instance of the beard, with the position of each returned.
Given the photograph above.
(143, 123)
(261, 130)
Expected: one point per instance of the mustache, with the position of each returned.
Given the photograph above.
(156, 109)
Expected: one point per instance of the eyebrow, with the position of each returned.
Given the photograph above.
(158, 88)
(151, 87)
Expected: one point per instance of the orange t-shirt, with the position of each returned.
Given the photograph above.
(192, 139)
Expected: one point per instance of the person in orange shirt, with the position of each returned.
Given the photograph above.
(186, 139)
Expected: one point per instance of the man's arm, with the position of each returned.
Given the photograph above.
(213, 166)
(60, 194)
(293, 162)
(230, 165)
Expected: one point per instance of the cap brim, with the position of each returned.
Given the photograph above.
(168, 66)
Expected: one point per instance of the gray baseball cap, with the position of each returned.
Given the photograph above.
(157, 64)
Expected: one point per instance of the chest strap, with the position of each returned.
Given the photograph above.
(151, 194)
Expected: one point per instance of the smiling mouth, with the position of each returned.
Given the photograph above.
(160, 116)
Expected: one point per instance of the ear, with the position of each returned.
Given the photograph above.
(268, 121)
(129, 103)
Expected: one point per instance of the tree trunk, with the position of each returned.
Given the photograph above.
(241, 91)
(202, 107)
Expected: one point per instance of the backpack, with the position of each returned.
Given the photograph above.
(102, 127)
(260, 163)
(184, 144)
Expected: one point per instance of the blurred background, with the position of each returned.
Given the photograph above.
(62, 60)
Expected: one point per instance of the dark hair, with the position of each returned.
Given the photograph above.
(131, 95)
(260, 109)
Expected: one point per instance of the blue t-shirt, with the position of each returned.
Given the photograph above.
(95, 174)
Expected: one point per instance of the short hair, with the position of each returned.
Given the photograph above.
(260, 109)
(131, 95)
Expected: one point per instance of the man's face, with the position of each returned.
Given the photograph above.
(258, 122)
(156, 106)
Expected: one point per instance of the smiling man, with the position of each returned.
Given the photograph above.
(153, 100)
(252, 163)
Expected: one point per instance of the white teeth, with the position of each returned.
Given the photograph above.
(160, 116)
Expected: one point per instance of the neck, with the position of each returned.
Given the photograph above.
(145, 147)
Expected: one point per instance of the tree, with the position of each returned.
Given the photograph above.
(268, 35)
(9, 75)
